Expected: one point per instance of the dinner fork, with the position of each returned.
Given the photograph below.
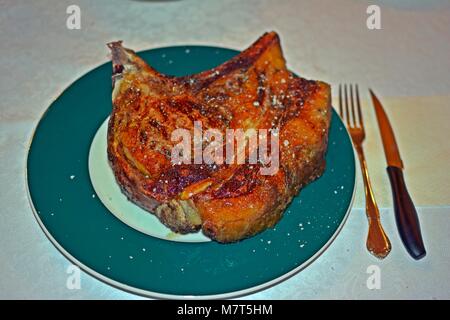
(377, 242)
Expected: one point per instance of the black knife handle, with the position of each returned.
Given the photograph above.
(405, 215)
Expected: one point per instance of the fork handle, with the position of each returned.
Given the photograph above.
(405, 215)
(377, 241)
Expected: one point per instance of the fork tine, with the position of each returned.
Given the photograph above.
(358, 104)
(341, 111)
(352, 105)
(346, 105)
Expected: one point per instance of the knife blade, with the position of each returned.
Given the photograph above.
(405, 212)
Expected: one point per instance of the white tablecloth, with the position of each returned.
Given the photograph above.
(325, 39)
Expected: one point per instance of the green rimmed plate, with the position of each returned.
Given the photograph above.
(77, 222)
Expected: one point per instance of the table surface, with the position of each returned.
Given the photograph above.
(324, 39)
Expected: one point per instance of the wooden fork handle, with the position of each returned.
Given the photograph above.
(405, 215)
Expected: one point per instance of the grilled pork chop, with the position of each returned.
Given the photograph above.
(253, 90)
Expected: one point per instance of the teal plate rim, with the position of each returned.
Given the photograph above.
(155, 294)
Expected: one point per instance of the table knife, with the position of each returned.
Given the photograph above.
(405, 213)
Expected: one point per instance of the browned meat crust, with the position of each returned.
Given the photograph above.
(252, 90)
